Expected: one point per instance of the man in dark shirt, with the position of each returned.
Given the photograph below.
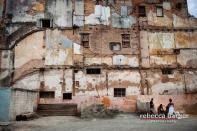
(151, 106)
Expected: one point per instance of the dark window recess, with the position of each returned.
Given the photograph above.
(77, 83)
(67, 96)
(167, 71)
(46, 23)
(85, 40)
(142, 11)
(159, 11)
(47, 94)
(179, 6)
(176, 51)
(119, 92)
(93, 71)
(126, 41)
(114, 46)
(75, 71)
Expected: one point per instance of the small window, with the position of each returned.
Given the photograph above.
(45, 23)
(167, 71)
(114, 46)
(67, 96)
(159, 11)
(93, 71)
(142, 11)
(77, 83)
(119, 92)
(75, 71)
(176, 51)
(85, 40)
(126, 41)
(47, 94)
(179, 6)
(124, 11)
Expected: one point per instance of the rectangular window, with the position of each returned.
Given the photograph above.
(126, 41)
(179, 6)
(159, 11)
(119, 92)
(142, 11)
(45, 23)
(93, 71)
(124, 11)
(167, 71)
(176, 51)
(77, 83)
(114, 46)
(67, 96)
(47, 94)
(85, 40)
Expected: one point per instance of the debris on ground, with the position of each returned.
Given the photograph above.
(27, 116)
(98, 111)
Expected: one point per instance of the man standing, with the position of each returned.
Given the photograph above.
(151, 106)
(170, 107)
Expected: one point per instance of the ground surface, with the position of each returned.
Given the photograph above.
(123, 122)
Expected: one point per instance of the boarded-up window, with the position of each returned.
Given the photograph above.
(47, 94)
(85, 40)
(67, 96)
(93, 71)
(126, 41)
(114, 46)
(167, 71)
(119, 92)
(142, 11)
(159, 11)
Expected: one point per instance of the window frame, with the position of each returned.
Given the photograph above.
(159, 7)
(125, 40)
(119, 92)
(113, 44)
(140, 14)
(85, 40)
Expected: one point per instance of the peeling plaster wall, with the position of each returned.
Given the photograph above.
(91, 84)
(30, 48)
(59, 49)
(131, 61)
(60, 11)
(25, 11)
(122, 19)
(78, 18)
(124, 79)
(100, 16)
(187, 58)
(165, 84)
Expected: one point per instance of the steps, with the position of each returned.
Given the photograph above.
(57, 109)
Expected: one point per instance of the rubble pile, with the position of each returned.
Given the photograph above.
(98, 111)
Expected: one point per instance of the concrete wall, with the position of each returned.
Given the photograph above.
(15, 102)
(22, 101)
(5, 96)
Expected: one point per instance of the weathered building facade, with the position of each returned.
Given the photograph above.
(115, 52)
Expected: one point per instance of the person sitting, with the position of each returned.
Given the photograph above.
(160, 109)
